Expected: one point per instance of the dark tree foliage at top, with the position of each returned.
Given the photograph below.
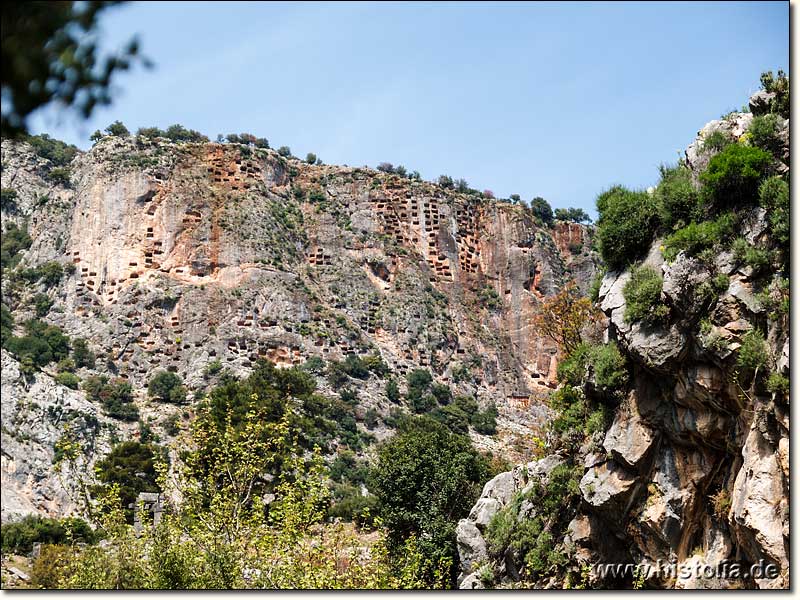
(51, 54)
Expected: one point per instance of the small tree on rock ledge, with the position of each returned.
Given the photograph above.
(565, 316)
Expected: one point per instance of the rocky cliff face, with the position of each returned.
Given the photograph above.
(694, 469)
(187, 254)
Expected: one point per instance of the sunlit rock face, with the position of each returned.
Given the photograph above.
(188, 254)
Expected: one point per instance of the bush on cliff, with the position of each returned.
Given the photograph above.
(643, 297)
(676, 196)
(167, 387)
(626, 226)
(732, 177)
(774, 197)
(696, 237)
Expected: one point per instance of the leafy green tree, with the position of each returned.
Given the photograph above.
(179, 133)
(130, 465)
(81, 354)
(285, 151)
(8, 200)
(167, 387)
(41, 344)
(117, 129)
(115, 396)
(426, 479)
(577, 215)
(50, 54)
(541, 209)
(311, 158)
(445, 181)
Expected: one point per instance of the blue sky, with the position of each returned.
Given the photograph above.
(556, 100)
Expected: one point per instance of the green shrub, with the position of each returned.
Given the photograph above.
(774, 197)
(167, 387)
(643, 297)
(285, 151)
(6, 325)
(677, 198)
(42, 304)
(59, 176)
(14, 240)
(8, 200)
(375, 364)
(314, 364)
(610, 367)
(311, 158)
(485, 421)
(41, 344)
(56, 151)
(442, 393)
(778, 384)
(696, 237)
(597, 282)
(607, 363)
(732, 177)
(628, 220)
(778, 85)
(753, 353)
(453, 417)
(535, 538)
(576, 215)
(763, 132)
(212, 368)
(179, 133)
(116, 397)
(392, 391)
(69, 380)
(18, 537)
(49, 273)
(51, 566)
(756, 258)
(716, 140)
(598, 420)
(348, 504)
(81, 354)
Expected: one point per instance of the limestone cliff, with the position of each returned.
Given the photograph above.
(694, 468)
(186, 254)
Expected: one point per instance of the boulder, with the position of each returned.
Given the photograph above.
(608, 487)
(629, 439)
(760, 102)
(471, 582)
(471, 546)
(483, 511)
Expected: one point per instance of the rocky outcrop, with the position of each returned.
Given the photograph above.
(692, 472)
(36, 415)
